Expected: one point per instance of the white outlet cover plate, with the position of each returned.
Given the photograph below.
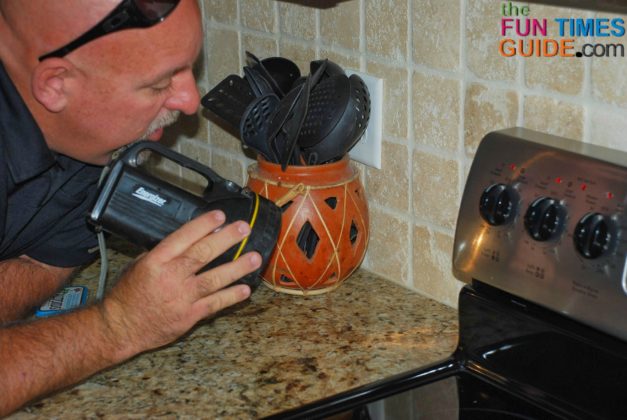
(368, 149)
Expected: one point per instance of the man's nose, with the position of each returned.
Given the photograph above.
(185, 96)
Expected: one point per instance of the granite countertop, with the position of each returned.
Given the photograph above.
(269, 354)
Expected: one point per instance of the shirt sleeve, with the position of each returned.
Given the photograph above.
(72, 246)
(72, 242)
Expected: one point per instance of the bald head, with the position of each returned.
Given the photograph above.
(35, 27)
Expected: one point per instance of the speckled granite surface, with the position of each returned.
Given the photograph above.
(272, 353)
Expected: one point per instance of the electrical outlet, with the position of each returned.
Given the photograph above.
(368, 148)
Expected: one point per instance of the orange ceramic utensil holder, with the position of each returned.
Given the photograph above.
(325, 227)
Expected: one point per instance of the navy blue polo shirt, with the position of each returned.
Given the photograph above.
(44, 196)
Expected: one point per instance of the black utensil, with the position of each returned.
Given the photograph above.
(327, 105)
(255, 123)
(348, 128)
(283, 71)
(258, 84)
(331, 68)
(253, 61)
(287, 122)
(229, 99)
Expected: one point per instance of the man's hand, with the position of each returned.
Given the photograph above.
(156, 300)
(160, 297)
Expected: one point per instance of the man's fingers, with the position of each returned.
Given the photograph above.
(179, 241)
(218, 242)
(219, 277)
(221, 299)
(210, 247)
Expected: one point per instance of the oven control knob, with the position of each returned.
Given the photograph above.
(496, 204)
(543, 218)
(592, 235)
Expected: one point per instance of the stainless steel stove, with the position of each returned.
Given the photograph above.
(541, 240)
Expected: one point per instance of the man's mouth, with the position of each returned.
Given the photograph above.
(155, 129)
(155, 135)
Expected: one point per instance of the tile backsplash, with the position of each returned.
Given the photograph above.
(445, 86)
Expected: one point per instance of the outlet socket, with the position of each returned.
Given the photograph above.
(368, 148)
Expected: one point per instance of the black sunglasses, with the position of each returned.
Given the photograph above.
(128, 14)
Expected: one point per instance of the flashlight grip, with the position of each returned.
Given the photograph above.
(141, 208)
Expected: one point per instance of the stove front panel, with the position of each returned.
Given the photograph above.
(545, 218)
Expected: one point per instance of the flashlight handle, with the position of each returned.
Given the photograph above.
(214, 181)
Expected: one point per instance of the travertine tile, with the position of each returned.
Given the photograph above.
(344, 60)
(202, 133)
(436, 33)
(300, 54)
(389, 186)
(220, 11)
(487, 109)
(395, 96)
(228, 167)
(200, 69)
(224, 140)
(259, 15)
(386, 28)
(609, 80)
(222, 57)
(559, 74)
(482, 42)
(553, 116)
(166, 169)
(388, 249)
(435, 189)
(198, 152)
(608, 127)
(432, 269)
(187, 127)
(436, 111)
(260, 46)
(297, 20)
(609, 75)
(339, 25)
(192, 181)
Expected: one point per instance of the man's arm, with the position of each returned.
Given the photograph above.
(25, 284)
(156, 300)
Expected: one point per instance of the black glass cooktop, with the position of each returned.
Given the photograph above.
(514, 360)
(460, 396)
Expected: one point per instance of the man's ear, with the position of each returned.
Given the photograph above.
(50, 83)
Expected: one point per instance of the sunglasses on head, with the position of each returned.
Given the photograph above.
(127, 15)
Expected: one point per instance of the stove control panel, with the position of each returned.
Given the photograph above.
(545, 218)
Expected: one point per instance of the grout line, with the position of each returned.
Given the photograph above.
(411, 219)
(362, 35)
(463, 70)
(410, 143)
(318, 36)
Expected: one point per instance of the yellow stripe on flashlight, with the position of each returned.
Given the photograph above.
(252, 224)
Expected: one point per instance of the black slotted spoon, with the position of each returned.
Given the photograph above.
(256, 122)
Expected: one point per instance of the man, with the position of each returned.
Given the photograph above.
(63, 112)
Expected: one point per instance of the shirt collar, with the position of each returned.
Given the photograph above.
(27, 154)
